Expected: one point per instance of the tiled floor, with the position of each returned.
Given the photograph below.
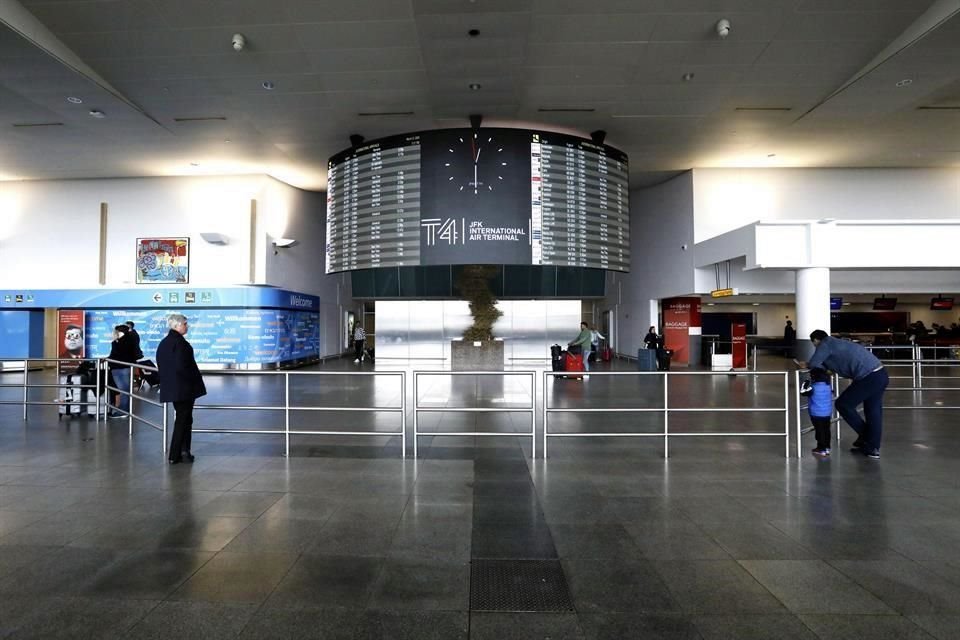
(727, 538)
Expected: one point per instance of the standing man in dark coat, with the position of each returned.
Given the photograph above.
(180, 383)
(789, 339)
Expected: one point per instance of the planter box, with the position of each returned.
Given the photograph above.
(476, 356)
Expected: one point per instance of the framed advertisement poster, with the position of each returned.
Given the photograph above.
(163, 260)
(70, 335)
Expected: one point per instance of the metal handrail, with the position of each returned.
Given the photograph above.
(531, 409)
(666, 409)
(26, 386)
(287, 408)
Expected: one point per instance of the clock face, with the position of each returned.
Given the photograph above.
(475, 163)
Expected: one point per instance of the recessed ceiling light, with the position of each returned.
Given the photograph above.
(771, 155)
(194, 164)
(475, 86)
(74, 100)
(268, 85)
(687, 77)
(473, 33)
(756, 304)
(906, 82)
(96, 113)
(227, 141)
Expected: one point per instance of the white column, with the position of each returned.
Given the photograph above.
(813, 306)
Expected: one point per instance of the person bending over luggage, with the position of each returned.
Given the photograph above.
(180, 383)
(581, 344)
(122, 355)
(870, 381)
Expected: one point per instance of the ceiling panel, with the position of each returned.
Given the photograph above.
(653, 73)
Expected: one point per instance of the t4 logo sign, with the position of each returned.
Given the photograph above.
(444, 230)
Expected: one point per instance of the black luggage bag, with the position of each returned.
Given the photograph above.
(557, 358)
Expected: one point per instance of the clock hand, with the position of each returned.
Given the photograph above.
(475, 177)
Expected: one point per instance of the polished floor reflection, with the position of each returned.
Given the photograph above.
(725, 539)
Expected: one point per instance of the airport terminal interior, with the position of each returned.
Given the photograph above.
(508, 314)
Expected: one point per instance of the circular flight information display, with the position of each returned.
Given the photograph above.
(485, 196)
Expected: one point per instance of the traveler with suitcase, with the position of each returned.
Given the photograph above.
(578, 347)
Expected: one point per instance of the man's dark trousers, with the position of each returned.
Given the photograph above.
(182, 429)
(867, 391)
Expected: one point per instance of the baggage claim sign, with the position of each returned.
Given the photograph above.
(490, 196)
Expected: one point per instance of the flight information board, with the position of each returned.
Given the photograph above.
(373, 206)
(486, 196)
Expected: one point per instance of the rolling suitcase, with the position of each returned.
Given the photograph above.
(152, 378)
(556, 357)
(573, 362)
(646, 360)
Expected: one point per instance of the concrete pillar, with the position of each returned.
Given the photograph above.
(813, 307)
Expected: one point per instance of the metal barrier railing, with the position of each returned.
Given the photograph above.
(104, 364)
(666, 410)
(26, 385)
(132, 416)
(531, 409)
(288, 407)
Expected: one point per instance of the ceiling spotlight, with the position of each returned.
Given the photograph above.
(473, 33)
(723, 28)
(268, 85)
(239, 42)
(194, 164)
(906, 82)
(74, 100)
(96, 113)
(687, 77)
(771, 155)
(475, 86)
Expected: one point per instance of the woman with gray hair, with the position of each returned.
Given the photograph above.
(180, 383)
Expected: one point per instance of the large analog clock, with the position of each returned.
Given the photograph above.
(475, 163)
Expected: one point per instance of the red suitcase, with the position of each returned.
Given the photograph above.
(573, 362)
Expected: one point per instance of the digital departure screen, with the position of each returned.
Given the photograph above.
(487, 196)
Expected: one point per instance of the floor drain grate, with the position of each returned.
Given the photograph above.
(518, 585)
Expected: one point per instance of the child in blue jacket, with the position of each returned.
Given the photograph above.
(821, 409)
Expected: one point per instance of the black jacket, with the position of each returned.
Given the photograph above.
(651, 340)
(122, 349)
(134, 337)
(180, 377)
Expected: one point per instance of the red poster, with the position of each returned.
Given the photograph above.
(681, 319)
(70, 337)
(738, 334)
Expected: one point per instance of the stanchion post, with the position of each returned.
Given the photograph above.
(533, 415)
(403, 413)
(836, 394)
(96, 390)
(786, 414)
(416, 403)
(26, 373)
(666, 414)
(163, 447)
(286, 413)
(130, 406)
(796, 399)
(543, 404)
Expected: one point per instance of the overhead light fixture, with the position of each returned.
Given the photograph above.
(938, 108)
(284, 243)
(566, 109)
(74, 100)
(381, 114)
(723, 28)
(687, 77)
(771, 155)
(215, 238)
(756, 304)
(29, 125)
(194, 164)
(762, 108)
(475, 86)
(268, 85)
(906, 82)
(200, 119)
(96, 113)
